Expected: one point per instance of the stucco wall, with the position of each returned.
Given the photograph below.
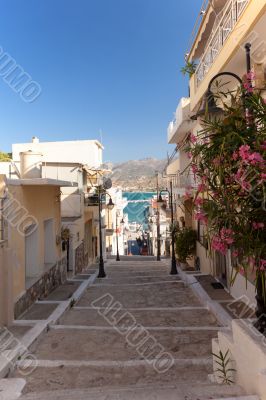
(77, 151)
(205, 260)
(42, 202)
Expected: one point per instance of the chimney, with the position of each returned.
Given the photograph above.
(35, 139)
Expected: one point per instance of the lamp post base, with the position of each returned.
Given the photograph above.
(117, 257)
(173, 268)
(101, 273)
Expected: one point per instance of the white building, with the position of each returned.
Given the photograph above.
(78, 162)
(116, 229)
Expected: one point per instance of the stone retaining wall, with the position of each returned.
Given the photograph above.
(49, 281)
(79, 258)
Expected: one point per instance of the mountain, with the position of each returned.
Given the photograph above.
(137, 174)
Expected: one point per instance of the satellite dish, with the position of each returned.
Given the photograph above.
(107, 183)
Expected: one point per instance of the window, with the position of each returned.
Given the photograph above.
(202, 235)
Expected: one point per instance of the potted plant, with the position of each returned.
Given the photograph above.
(65, 236)
(189, 69)
(185, 244)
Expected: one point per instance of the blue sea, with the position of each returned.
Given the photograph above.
(137, 211)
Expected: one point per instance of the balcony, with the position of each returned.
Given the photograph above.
(183, 181)
(224, 26)
(178, 128)
(239, 22)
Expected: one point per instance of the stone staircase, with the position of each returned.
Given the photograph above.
(88, 355)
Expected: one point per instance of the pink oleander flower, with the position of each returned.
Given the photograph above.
(189, 155)
(244, 151)
(258, 225)
(263, 176)
(235, 253)
(246, 186)
(262, 265)
(248, 87)
(263, 145)
(188, 195)
(198, 201)
(242, 271)
(194, 168)
(201, 216)
(226, 235)
(202, 188)
(235, 155)
(218, 245)
(255, 158)
(251, 75)
(193, 138)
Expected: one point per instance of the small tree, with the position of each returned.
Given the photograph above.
(185, 244)
(189, 69)
(5, 156)
(228, 161)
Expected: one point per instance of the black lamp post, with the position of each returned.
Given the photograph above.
(102, 193)
(160, 200)
(117, 249)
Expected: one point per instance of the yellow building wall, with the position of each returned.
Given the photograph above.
(42, 202)
(254, 10)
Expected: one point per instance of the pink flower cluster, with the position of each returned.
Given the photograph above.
(194, 168)
(248, 157)
(201, 216)
(222, 241)
(262, 265)
(257, 225)
(193, 138)
(202, 188)
(198, 201)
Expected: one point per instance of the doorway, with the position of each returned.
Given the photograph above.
(49, 242)
(31, 252)
(221, 269)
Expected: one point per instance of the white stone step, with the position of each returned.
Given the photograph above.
(180, 392)
(10, 389)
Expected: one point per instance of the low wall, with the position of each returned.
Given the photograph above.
(6, 286)
(47, 282)
(248, 354)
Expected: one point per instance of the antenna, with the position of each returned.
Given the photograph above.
(101, 136)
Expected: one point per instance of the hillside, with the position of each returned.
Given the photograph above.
(137, 174)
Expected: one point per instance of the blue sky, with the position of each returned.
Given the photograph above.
(103, 65)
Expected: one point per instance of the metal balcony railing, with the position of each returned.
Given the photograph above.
(225, 26)
(184, 180)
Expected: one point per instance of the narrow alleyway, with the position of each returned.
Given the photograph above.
(89, 355)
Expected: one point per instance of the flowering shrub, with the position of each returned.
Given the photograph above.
(228, 162)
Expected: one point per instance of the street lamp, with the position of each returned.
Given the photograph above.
(209, 104)
(117, 248)
(101, 194)
(160, 201)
